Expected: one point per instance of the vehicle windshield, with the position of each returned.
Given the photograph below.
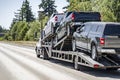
(112, 29)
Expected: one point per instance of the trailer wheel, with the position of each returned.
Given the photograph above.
(94, 53)
(73, 45)
(38, 55)
(45, 55)
(76, 65)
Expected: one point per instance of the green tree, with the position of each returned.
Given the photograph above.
(1, 29)
(23, 32)
(79, 5)
(20, 27)
(109, 9)
(116, 9)
(20, 24)
(34, 27)
(25, 13)
(13, 30)
(105, 8)
(48, 6)
(73, 5)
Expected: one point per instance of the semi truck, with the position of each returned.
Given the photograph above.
(62, 50)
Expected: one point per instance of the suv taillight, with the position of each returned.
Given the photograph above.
(102, 41)
(73, 16)
(56, 18)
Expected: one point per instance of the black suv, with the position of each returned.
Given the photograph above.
(97, 38)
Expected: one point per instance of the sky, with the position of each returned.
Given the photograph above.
(9, 7)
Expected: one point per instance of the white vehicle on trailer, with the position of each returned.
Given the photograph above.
(52, 24)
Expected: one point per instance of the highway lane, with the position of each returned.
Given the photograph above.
(21, 63)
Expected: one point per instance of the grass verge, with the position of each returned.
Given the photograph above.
(22, 43)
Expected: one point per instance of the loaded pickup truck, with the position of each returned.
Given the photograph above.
(52, 24)
(72, 20)
(98, 38)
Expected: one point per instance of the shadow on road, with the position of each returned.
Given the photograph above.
(94, 72)
(104, 73)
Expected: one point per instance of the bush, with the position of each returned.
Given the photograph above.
(1, 38)
(34, 28)
(26, 30)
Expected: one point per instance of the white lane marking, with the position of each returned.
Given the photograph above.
(51, 73)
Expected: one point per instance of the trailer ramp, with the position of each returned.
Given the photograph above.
(85, 60)
(105, 62)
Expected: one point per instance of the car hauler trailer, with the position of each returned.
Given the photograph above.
(61, 49)
(58, 51)
(80, 58)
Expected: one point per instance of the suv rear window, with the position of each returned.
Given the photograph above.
(112, 29)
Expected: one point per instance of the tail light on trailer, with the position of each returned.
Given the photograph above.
(102, 41)
(73, 16)
(56, 18)
(96, 66)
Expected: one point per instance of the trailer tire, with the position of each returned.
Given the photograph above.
(38, 55)
(45, 55)
(94, 54)
(76, 65)
(73, 45)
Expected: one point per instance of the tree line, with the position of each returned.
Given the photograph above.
(26, 27)
(109, 9)
(2, 32)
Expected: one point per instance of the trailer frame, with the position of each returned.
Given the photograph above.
(49, 50)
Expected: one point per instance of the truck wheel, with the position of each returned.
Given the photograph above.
(76, 65)
(94, 53)
(37, 53)
(73, 45)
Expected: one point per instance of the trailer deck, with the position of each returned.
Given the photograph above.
(80, 58)
(61, 50)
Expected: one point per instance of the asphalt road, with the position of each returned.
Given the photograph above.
(21, 63)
